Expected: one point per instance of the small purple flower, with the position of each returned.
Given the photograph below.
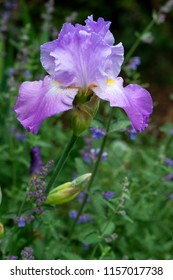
(108, 194)
(13, 258)
(27, 253)
(21, 221)
(134, 62)
(132, 133)
(84, 218)
(83, 60)
(170, 196)
(98, 133)
(73, 214)
(169, 162)
(86, 245)
(81, 196)
(92, 155)
(36, 161)
(20, 136)
(168, 177)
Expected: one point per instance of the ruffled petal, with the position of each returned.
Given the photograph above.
(41, 99)
(135, 100)
(83, 55)
(100, 27)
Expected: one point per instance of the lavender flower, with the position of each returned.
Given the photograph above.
(98, 133)
(170, 196)
(20, 221)
(108, 195)
(36, 161)
(81, 196)
(27, 253)
(38, 188)
(134, 62)
(92, 155)
(72, 17)
(86, 245)
(168, 177)
(169, 162)
(84, 218)
(131, 132)
(23, 220)
(83, 63)
(13, 258)
(73, 214)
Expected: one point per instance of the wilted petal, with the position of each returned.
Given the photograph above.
(135, 100)
(41, 99)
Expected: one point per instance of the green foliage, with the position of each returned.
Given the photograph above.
(136, 223)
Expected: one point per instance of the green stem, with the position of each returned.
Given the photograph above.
(138, 41)
(62, 161)
(94, 171)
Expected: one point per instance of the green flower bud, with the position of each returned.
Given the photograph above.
(1, 230)
(84, 113)
(68, 191)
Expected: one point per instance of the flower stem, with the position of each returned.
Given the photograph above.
(138, 41)
(94, 171)
(62, 161)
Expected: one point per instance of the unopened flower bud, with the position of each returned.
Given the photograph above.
(68, 191)
(84, 113)
(1, 230)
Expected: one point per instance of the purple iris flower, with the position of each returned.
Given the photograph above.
(82, 60)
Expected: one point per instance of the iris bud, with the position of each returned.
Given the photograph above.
(68, 191)
(1, 230)
(84, 113)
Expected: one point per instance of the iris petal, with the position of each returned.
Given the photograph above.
(135, 100)
(41, 99)
(83, 55)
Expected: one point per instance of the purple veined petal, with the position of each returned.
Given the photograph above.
(135, 100)
(83, 55)
(80, 59)
(41, 99)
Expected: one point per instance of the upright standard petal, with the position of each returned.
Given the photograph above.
(82, 55)
(41, 99)
(100, 27)
(135, 100)
(80, 58)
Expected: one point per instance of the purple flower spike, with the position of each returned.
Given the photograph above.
(83, 59)
(36, 161)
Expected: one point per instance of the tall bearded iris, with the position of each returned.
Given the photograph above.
(83, 63)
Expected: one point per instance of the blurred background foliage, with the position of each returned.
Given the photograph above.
(139, 218)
